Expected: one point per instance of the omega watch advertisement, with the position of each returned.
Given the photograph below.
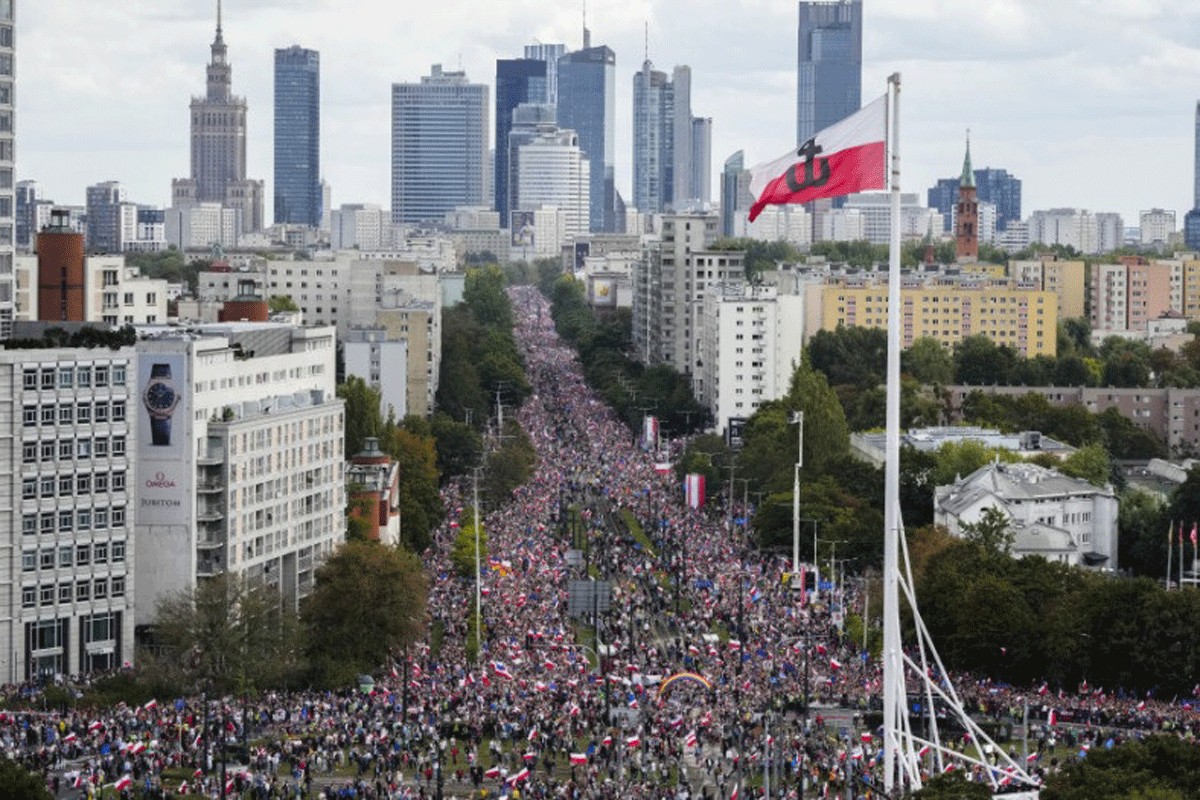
(164, 428)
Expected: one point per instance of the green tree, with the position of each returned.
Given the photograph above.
(952, 786)
(225, 636)
(509, 466)
(760, 256)
(1143, 527)
(992, 531)
(1163, 767)
(281, 302)
(928, 361)
(21, 784)
(368, 603)
(978, 361)
(459, 446)
(826, 436)
(1090, 463)
(701, 456)
(363, 419)
(1185, 502)
(1126, 363)
(854, 356)
(462, 554)
(419, 501)
(954, 460)
(483, 293)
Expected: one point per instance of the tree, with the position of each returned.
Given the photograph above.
(462, 555)
(420, 503)
(952, 786)
(1162, 767)
(368, 604)
(459, 445)
(928, 361)
(363, 419)
(1185, 502)
(509, 466)
(1090, 463)
(281, 302)
(992, 531)
(21, 784)
(1126, 363)
(978, 361)
(853, 356)
(1143, 528)
(226, 636)
(826, 436)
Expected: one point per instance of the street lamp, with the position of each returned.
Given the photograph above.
(797, 419)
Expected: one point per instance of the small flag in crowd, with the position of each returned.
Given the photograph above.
(633, 741)
(501, 670)
(578, 759)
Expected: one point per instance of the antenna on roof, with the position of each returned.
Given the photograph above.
(647, 40)
(587, 35)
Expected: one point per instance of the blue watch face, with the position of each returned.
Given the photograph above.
(160, 397)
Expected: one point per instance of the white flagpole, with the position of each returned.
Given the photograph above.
(1170, 547)
(893, 668)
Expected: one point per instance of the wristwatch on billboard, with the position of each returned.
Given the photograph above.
(160, 398)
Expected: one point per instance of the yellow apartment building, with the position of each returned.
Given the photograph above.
(1067, 279)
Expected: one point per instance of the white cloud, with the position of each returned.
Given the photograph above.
(1058, 92)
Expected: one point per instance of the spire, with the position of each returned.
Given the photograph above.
(219, 39)
(587, 35)
(968, 174)
(647, 37)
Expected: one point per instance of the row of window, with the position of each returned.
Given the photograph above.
(71, 377)
(68, 520)
(79, 591)
(66, 449)
(79, 555)
(71, 413)
(71, 485)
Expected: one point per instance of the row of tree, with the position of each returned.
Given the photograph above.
(631, 389)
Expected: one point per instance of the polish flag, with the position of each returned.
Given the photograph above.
(1032, 757)
(574, 712)
(1044, 689)
(520, 776)
(533, 734)
(1053, 721)
(690, 741)
(846, 157)
(924, 751)
(835, 664)
(578, 759)
(633, 741)
(150, 706)
(70, 737)
(494, 772)
(607, 741)
(734, 644)
(183, 787)
(866, 737)
(734, 795)
(530, 756)
(80, 780)
(123, 783)
(1141, 706)
(501, 670)
(693, 649)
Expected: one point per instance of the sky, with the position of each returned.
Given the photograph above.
(1090, 102)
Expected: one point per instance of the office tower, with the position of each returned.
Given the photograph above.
(829, 86)
(518, 80)
(27, 198)
(735, 193)
(298, 136)
(653, 162)
(111, 220)
(549, 53)
(701, 166)
(7, 127)
(586, 104)
(218, 154)
(551, 171)
(67, 438)
(680, 135)
(966, 216)
(942, 196)
(993, 186)
(1191, 220)
(439, 145)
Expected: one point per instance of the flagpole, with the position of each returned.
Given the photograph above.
(893, 670)
(1170, 546)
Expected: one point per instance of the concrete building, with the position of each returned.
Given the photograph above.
(298, 136)
(843, 225)
(373, 488)
(735, 194)
(240, 447)
(872, 447)
(70, 477)
(669, 285)
(1066, 226)
(550, 170)
(749, 345)
(439, 145)
(1172, 414)
(111, 219)
(1128, 295)
(27, 196)
(966, 214)
(1065, 520)
(1024, 319)
(1156, 227)
(8, 128)
(550, 54)
(518, 81)
(203, 225)
(788, 223)
(875, 211)
(382, 363)
(1067, 279)
(360, 226)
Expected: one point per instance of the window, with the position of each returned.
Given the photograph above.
(100, 553)
(47, 449)
(100, 518)
(83, 412)
(47, 415)
(118, 375)
(118, 411)
(83, 448)
(83, 377)
(46, 522)
(47, 486)
(101, 376)
(118, 482)
(29, 452)
(66, 377)
(65, 554)
(100, 448)
(66, 486)
(83, 555)
(47, 379)
(83, 590)
(29, 524)
(64, 593)
(118, 552)
(46, 595)
(118, 443)
(83, 519)
(118, 587)
(83, 484)
(29, 488)
(46, 558)
(29, 415)
(29, 379)
(100, 588)
(129, 298)
(66, 520)
(118, 517)
(28, 560)
(100, 482)
(66, 448)
(28, 596)
(101, 412)
(66, 414)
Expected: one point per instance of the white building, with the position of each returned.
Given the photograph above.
(843, 225)
(240, 439)
(200, 226)
(472, 218)
(551, 171)
(750, 344)
(875, 209)
(70, 479)
(986, 221)
(114, 293)
(1062, 519)
(1014, 237)
(790, 223)
(360, 226)
(1087, 232)
(1156, 227)
(382, 363)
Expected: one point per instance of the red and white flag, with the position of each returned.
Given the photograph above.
(835, 664)
(578, 759)
(633, 741)
(494, 772)
(690, 741)
(123, 783)
(520, 776)
(847, 157)
(1053, 719)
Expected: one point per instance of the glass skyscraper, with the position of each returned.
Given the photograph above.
(439, 145)
(994, 186)
(518, 80)
(829, 85)
(298, 136)
(587, 92)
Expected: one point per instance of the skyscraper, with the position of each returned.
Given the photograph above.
(993, 186)
(587, 90)
(518, 80)
(735, 192)
(28, 195)
(218, 156)
(672, 150)
(298, 136)
(7, 127)
(111, 220)
(1191, 220)
(549, 53)
(829, 86)
(439, 145)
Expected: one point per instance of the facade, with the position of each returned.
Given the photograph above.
(735, 193)
(61, 284)
(550, 54)
(439, 145)
(872, 447)
(518, 80)
(587, 97)
(373, 488)
(874, 208)
(1024, 319)
(111, 220)
(240, 458)
(27, 196)
(8, 113)
(1066, 520)
(1067, 279)
(199, 227)
(1127, 296)
(653, 123)
(551, 171)
(360, 226)
(1156, 227)
(788, 223)
(218, 144)
(829, 85)
(993, 186)
(298, 137)
(749, 346)
(1078, 228)
(382, 363)
(70, 475)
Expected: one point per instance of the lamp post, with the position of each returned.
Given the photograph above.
(798, 420)
(478, 588)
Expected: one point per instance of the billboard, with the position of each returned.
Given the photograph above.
(164, 427)
(604, 292)
(522, 228)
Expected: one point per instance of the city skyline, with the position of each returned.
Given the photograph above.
(1053, 103)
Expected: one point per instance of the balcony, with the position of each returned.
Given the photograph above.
(209, 485)
(209, 543)
(211, 456)
(212, 514)
(209, 567)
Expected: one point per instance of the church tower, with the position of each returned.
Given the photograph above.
(966, 212)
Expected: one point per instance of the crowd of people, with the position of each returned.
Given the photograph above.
(692, 683)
